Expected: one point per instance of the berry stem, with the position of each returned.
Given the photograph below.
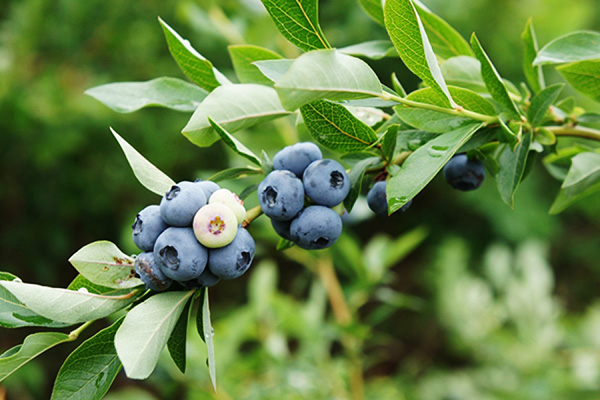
(576, 131)
(74, 334)
(251, 215)
(401, 157)
(459, 112)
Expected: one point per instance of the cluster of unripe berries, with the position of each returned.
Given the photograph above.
(193, 237)
(298, 196)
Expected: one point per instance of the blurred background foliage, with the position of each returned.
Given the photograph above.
(459, 298)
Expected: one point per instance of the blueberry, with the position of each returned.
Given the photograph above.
(297, 157)
(179, 254)
(233, 260)
(209, 187)
(377, 199)
(215, 225)
(179, 205)
(207, 279)
(464, 174)
(150, 273)
(230, 200)
(326, 182)
(281, 195)
(147, 226)
(282, 228)
(317, 227)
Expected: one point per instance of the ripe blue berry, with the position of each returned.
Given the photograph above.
(282, 228)
(317, 227)
(281, 195)
(209, 187)
(464, 174)
(179, 205)
(297, 157)
(233, 260)
(207, 279)
(326, 182)
(147, 226)
(179, 254)
(377, 199)
(150, 273)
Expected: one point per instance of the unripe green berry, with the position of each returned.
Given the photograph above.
(215, 225)
(230, 200)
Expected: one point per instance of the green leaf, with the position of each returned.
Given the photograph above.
(266, 163)
(233, 143)
(64, 305)
(333, 126)
(192, 63)
(575, 46)
(422, 165)
(298, 22)
(355, 176)
(273, 69)
(326, 74)
(104, 264)
(234, 107)
(284, 244)
(374, 49)
(206, 332)
(563, 201)
(126, 97)
(533, 74)
(408, 35)
(541, 102)
(145, 331)
(14, 314)
(512, 166)
(445, 40)
(80, 282)
(492, 80)
(243, 57)
(412, 139)
(373, 9)
(584, 76)
(90, 370)
(232, 173)
(438, 122)
(32, 346)
(248, 191)
(147, 174)
(584, 173)
(177, 340)
(465, 72)
(390, 140)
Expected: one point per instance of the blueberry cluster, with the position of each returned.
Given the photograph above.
(302, 177)
(193, 237)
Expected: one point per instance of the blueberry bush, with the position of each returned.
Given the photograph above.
(464, 120)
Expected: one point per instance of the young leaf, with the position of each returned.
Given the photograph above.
(243, 57)
(390, 140)
(584, 76)
(266, 163)
(284, 244)
(445, 40)
(126, 97)
(233, 143)
(233, 173)
(64, 305)
(104, 264)
(541, 102)
(90, 370)
(408, 35)
(355, 176)
(584, 173)
(145, 331)
(374, 49)
(178, 338)
(492, 80)
(374, 9)
(192, 63)
(422, 165)
(147, 174)
(14, 314)
(33, 345)
(298, 22)
(333, 126)
(512, 165)
(574, 46)
(234, 107)
(533, 74)
(207, 334)
(437, 122)
(273, 70)
(326, 74)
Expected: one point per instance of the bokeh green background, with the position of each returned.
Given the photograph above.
(491, 303)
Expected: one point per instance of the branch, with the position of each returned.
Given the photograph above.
(576, 131)
(251, 215)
